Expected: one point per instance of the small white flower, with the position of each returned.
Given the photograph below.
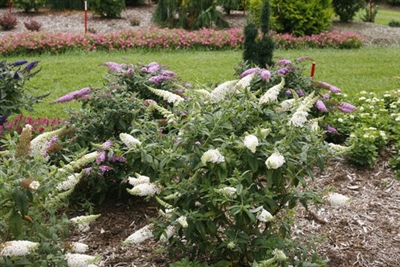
(39, 143)
(338, 149)
(337, 200)
(275, 161)
(140, 235)
(251, 142)
(245, 81)
(213, 156)
(141, 179)
(17, 248)
(287, 104)
(264, 216)
(84, 221)
(227, 190)
(34, 185)
(298, 119)
(80, 260)
(168, 96)
(182, 221)
(220, 92)
(79, 247)
(279, 255)
(71, 181)
(148, 189)
(170, 231)
(272, 94)
(129, 140)
(231, 245)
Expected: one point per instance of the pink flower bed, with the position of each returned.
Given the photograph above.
(163, 39)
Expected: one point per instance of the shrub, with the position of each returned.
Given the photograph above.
(394, 23)
(347, 9)
(394, 2)
(33, 25)
(135, 2)
(107, 8)
(15, 96)
(63, 5)
(370, 13)
(8, 21)
(28, 5)
(229, 5)
(191, 14)
(302, 18)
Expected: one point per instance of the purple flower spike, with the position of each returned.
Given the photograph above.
(300, 92)
(334, 89)
(105, 168)
(346, 107)
(19, 63)
(326, 96)
(107, 144)
(265, 75)
(168, 73)
(31, 65)
(331, 129)
(249, 71)
(288, 92)
(321, 106)
(73, 95)
(284, 71)
(283, 62)
(16, 76)
(158, 79)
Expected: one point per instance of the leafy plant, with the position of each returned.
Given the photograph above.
(347, 9)
(189, 14)
(8, 21)
(14, 95)
(394, 2)
(302, 18)
(28, 5)
(63, 5)
(107, 8)
(394, 23)
(370, 13)
(33, 25)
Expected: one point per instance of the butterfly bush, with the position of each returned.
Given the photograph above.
(170, 39)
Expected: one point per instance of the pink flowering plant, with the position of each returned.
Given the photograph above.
(170, 39)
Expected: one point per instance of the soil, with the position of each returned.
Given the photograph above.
(364, 233)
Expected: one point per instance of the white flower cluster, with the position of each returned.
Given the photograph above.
(39, 143)
(167, 96)
(170, 231)
(142, 186)
(245, 81)
(17, 248)
(287, 104)
(299, 118)
(272, 93)
(275, 161)
(220, 92)
(79, 247)
(264, 216)
(84, 221)
(182, 220)
(80, 163)
(129, 140)
(71, 181)
(227, 190)
(34, 185)
(251, 142)
(140, 235)
(338, 149)
(81, 260)
(213, 156)
(337, 200)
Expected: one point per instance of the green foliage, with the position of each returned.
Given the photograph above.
(253, 8)
(394, 23)
(135, 2)
(347, 9)
(258, 51)
(370, 13)
(66, 4)
(28, 5)
(14, 95)
(229, 5)
(107, 8)
(394, 2)
(302, 18)
(188, 14)
(8, 21)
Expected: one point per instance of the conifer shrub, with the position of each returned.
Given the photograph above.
(107, 8)
(347, 9)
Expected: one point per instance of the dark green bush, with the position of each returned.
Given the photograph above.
(394, 2)
(28, 5)
(135, 2)
(347, 9)
(3, 3)
(394, 23)
(107, 8)
(302, 18)
(189, 14)
(229, 5)
(66, 4)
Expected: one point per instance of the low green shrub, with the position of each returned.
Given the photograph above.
(107, 8)
(394, 2)
(394, 23)
(29, 5)
(347, 9)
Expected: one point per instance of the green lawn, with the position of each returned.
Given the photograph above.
(370, 69)
(384, 15)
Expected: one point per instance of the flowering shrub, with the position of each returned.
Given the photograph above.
(39, 125)
(163, 39)
(223, 163)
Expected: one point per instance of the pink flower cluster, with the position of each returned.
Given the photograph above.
(39, 125)
(163, 39)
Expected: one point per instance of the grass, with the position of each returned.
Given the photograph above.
(369, 69)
